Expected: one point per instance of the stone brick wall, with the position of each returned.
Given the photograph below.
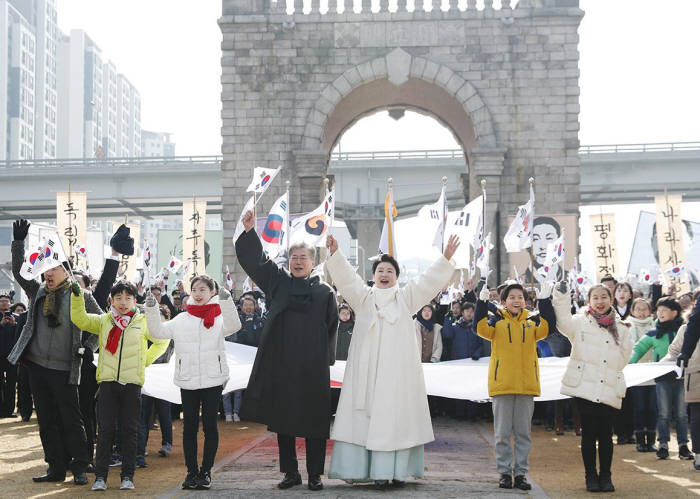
(291, 83)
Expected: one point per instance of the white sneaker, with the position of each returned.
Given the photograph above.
(127, 484)
(229, 419)
(99, 484)
(236, 417)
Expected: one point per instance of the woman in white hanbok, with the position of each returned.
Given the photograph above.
(383, 420)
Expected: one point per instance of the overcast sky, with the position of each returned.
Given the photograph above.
(638, 60)
(639, 72)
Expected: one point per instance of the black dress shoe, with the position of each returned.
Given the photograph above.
(398, 483)
(505, 482)
(50, 476)
(315, 483)
(290, 480)
(522, 483)
(80, 478)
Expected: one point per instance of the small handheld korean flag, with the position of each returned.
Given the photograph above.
(519, 235)
(555, 254)
(229, 280)
(262, 178)
(249, 206)
(48, 256)
(80, 250)
(483, 256)
(675, 271)
(312, 228)
(174, 264)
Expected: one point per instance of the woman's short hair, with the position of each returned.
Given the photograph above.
(388, 259)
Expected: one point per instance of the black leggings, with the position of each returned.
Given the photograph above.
(596, 426)
(192, 400)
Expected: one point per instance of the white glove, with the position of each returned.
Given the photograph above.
(150, 300)
(484, 294)
(545, 290)
(223, 293)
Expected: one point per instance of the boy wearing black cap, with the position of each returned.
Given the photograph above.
(670, 397)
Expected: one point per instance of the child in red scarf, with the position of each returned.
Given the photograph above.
(201, 370)
(124, 355)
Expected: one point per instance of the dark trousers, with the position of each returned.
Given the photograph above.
(694, 409)
(8, 382)
(596, 426)
(86, 394)
(624, 419)
(192, 400)
(166, 423)
(24, 393)
(115, 400)
(60, 425)
(315, 455)
(644, 403)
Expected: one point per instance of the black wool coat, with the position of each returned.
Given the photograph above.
(289, 386)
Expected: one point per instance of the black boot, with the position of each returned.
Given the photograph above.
(641, 441)
(592, 482)
(650, 440)
(606, 484)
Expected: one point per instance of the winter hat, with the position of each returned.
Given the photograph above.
(121, 242)
(669, 303)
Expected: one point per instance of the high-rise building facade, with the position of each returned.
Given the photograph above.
(59, 97)
(128, 118)
(28, 31)
(17, 83)
(80, 74)
(156, 145)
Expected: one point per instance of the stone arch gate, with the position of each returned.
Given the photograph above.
(504, 81)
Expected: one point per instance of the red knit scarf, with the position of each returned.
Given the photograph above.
(121, 322)
(207, 312)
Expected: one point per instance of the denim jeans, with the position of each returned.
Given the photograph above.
(232, 402)
(166, 423)
(670, 400)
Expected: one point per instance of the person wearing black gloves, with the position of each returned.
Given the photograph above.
(51, 348)
(87, 389)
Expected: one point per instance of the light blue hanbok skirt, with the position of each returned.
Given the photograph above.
(354, 463)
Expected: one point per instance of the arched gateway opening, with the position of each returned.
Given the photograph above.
(505, 81)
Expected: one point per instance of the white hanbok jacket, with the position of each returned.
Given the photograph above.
(383, 403)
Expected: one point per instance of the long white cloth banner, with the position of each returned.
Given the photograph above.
(457, 379)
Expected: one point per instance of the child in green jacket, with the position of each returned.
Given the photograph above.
(124, 355)
(670, 394)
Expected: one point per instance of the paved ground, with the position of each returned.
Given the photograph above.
(459, 463)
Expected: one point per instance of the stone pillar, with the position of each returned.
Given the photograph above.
(367, 232)
(487, 164)
(310, 170)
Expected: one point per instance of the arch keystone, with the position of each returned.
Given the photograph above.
(398, 65)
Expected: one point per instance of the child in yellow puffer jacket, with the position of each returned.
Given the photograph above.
(513, 377)
(124, 355)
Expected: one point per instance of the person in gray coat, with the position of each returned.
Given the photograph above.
(52, 348)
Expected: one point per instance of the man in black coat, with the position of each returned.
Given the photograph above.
(8, 372)
(289, 386)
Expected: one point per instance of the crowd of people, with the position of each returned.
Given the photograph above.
(92, 415)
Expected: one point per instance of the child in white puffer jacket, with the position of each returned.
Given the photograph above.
(201, 370)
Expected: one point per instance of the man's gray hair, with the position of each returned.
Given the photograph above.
(303, 246)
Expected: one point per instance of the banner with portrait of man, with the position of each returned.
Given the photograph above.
(545, 230)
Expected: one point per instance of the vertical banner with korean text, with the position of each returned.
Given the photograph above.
(604, 245)
(669, 237)
(71, 221)
(194, 218)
